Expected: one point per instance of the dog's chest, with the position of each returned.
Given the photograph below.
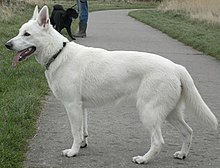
(64, 87)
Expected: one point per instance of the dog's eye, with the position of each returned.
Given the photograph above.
(27, 34)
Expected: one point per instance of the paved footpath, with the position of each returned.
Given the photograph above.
(116, 135)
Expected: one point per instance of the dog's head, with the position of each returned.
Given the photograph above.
(71, 13)
(32, 36)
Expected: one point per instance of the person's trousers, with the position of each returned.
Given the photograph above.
(83, 11)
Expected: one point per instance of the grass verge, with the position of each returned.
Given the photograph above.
(21, 92)
(200, 35)
(95, 5)
(23, 88)
(207, 10)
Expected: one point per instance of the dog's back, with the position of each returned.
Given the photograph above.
(56, 8)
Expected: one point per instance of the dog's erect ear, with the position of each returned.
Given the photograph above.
(43, 17)
(35, 15)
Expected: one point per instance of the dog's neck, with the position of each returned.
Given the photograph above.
(52, 45)
(52, 59)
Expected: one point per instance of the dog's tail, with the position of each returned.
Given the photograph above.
(194, 101)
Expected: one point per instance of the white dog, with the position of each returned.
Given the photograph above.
(83, 77)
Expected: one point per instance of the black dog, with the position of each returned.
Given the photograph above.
(62, 19)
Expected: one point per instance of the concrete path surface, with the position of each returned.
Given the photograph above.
(116, 134)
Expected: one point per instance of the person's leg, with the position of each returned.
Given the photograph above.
(83, 11)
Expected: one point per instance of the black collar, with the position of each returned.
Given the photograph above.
(54, 56)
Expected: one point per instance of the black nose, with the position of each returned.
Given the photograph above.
(9, 45)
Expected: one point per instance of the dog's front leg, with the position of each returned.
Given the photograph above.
(84, 129)
(69, 32)
(75, 115)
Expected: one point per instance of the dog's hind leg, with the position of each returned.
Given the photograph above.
(177, 120)
(75, 115)
(84, 130)
(58, 28)
(156, 98)
(150, 120)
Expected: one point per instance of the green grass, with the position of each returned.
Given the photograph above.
(200, 35)
(22, 89)
(96, 5)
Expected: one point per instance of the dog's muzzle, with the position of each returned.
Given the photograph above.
(9, 45)
(21, 54)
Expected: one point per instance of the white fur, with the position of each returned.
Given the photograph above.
(83, 77)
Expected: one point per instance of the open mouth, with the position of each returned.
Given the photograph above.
(22, 55)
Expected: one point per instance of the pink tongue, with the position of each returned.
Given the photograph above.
(16, 58)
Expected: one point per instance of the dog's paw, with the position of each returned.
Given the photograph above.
(84, 144)
(139, 160)
(69, 153)
(179, 155)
